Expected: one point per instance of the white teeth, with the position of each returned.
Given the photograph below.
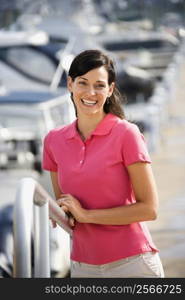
(87, 102)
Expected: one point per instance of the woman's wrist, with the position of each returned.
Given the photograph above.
(85, 218)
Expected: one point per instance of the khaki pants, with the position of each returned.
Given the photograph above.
(147, 265)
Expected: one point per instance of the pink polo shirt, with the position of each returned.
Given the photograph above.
(95, 173)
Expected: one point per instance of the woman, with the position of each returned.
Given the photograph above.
(101, 175)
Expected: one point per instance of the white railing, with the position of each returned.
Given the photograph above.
(32, 208)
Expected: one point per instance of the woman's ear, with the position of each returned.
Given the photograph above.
(69, 83)
(111, 89)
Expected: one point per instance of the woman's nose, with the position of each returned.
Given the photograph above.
(91, 91)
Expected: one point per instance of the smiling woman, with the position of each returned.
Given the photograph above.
(90, 93)
(95, 76)
(102, 177)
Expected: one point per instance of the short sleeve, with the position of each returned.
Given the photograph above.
(134, 146)
(48, 161)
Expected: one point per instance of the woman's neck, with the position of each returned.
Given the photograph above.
(87, 124)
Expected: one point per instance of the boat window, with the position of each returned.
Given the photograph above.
(133, 45)
(31, 62)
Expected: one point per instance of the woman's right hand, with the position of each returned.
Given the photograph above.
(71, 220)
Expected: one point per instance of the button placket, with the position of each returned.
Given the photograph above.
(83, 155)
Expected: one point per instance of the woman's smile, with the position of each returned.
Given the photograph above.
(88, 102)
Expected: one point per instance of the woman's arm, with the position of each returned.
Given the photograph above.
(56, 188)
(58, 194)
(144, 209)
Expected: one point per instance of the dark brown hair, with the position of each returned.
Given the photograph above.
(92, 59)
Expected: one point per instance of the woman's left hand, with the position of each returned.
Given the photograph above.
(73, 206)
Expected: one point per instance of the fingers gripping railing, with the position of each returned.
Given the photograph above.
(27, 222)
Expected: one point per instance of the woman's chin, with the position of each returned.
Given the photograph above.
(90, 112)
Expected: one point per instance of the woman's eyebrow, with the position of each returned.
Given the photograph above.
(101, 81)
(83, 78)
(80, 77)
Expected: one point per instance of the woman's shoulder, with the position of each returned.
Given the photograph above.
(59, 131)
(126, 126)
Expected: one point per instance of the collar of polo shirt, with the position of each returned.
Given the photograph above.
(103, 128)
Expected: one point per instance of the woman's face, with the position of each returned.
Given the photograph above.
(90, 91)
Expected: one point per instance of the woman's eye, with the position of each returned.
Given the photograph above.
(100, 86)
(82, 82)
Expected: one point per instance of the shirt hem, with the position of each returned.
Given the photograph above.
(92, 262)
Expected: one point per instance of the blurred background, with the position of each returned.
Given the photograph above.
(146, 39)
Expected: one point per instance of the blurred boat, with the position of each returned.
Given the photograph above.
(29, 60)
(150, 51)
(25, 118)
(173, 23)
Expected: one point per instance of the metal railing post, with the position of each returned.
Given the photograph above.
(22, 228)
(41, 243)
(31, 196)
